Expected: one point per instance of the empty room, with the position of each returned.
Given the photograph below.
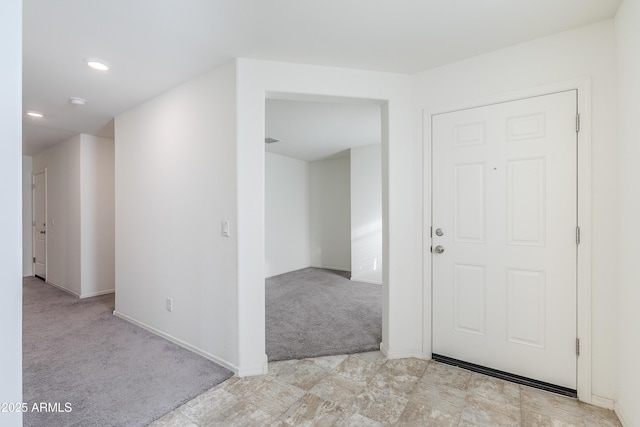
(144, 191)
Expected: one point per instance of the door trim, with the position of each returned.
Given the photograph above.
(46, 217)
(583, 321)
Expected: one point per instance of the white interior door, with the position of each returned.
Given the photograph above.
(40, 224)
(505, 201)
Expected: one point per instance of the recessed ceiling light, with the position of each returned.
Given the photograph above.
(97, 65)
(77, 101)
(35, 114)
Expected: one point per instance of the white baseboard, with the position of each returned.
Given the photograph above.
(362, 280)
(62, 288)
(620, 413)
(392, 354)
(383, 349)
(98, 293)
(255, 370)
(179, 342)
(329, 267)
(602, 402)
(77, 295)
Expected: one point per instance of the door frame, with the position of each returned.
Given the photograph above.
(583, 288)
(33, 222)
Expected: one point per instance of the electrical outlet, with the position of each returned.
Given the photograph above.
(169, 304)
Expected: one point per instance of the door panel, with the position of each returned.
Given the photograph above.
(504, 196)
(469, 287)
(469, 202)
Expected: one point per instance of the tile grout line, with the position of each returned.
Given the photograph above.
(521, 410)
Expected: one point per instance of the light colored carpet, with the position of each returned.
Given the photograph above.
(315, 312)
(111, 372)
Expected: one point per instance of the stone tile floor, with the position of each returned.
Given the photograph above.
(368, 390)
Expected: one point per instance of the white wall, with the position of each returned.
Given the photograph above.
(402, 290)
(286, 214)
(322, 213)
(366, 214)
(11, 212)
(97, 228)
(175, 184)
(587, 51)
(628, 61)
(80, 214)
(330, 213)
(62, 162)
(27, 216)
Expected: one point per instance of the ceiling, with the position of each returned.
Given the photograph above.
(314, 130)
(154, 45)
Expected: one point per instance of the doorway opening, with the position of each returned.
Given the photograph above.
(39, 224)
(323, 226)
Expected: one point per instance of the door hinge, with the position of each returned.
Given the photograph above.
(577, 346)
(578, 235)
(34, 260)
(577, 122)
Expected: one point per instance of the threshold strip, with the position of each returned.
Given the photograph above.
(506, 376)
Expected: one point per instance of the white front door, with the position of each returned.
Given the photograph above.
(504, 213)
(40, 224)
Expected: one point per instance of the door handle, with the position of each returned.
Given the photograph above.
(43, 232)
(438, 249)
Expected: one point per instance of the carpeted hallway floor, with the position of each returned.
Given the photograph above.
(108, 371)
(315, 312)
